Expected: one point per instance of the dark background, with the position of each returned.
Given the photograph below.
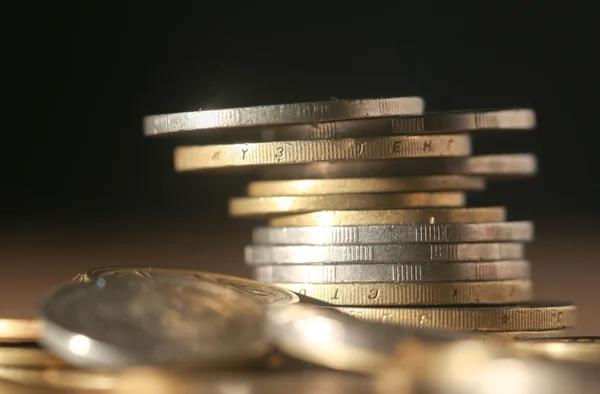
(84, 188)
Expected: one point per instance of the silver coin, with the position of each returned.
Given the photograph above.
(401, 233)
(152, 321)
(394, 272)
(428, 123)
(320, 111)
(390, 253)
(492, 167)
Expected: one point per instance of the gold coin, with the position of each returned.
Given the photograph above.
(524, 317)
(306, 187)
(396, 216)
(189, 158)
(578, 349)
(272, 206)
(20, 329)
(502, 337)
(59, 378)
(26, 354)
(417, 293)
(261, 292)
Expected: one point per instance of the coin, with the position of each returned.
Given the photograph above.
(427, 123)
(393, 272)
(273, 206)
(399, 233)
(390, 253)
(260, 292)
(504, 337)
(417, 293)
(191, 158)
(116, 322)
(577, 349)
(319, 111)
(492, 167)
(524, 317)
(388, 217)
(60, 379)
(304, 187)
(26, 354)
(20, 329)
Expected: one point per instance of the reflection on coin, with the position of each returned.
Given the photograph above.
(258, 291)
(319, 111)
(274, 206)
(27, 354)
(65, 378)
(116, 321)
(578, 349)
(20, 329)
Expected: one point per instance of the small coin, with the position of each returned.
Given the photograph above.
(417, 293)
(523, 317)
(492, 167)
(399, 233)
(393, 272)
(427, 123)
(20, 329)
(260, 292)
(273, 206)
(59, 379)
(320, 111)
(391, 217)
(192, 158)
(390, 253)
(577, 349)
(311, 187)
(115, 322)
(27, 354)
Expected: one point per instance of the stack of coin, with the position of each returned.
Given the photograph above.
(365, 209)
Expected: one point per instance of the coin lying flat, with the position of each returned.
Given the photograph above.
(393, 272)
(311, 187)
(319, 111)
(427, 123)
(273, 206)
(399, 233)
(524, 317)
(20, 329)
(417, 293)
(391, 253)
(27, 354)
(262, 293)
(116, 322)
(59, 379)
(191, 158)
(492, 167)
(578, 349)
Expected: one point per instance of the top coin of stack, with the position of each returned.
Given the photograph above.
(365, 208)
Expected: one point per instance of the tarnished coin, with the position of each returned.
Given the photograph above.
(319, 111)
(274, 206)
(427, 123)
(577, 349)
(20, 329)
(27, 354)
(391, 217)
(158, 320)
(260, 292)
(399, 233)
(194, 158)
(492, 167)
(390, 253)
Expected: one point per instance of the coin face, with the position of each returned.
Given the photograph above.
(158, 320)
(260, 292)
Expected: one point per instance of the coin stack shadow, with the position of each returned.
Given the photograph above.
(366, 211)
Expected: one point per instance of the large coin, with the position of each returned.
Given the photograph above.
(260, 292)
(492, 167)
(399, 233)
(192, 158)
(319, 111)
(158, 320)
(20, 329)
(394, 272)
(417, 293)
(390, 253)
(428, 123)
(391, 217)
(577, 349)
(273, 206)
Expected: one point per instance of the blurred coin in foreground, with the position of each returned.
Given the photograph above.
(20, 329)
(577, 349)
(27, 354)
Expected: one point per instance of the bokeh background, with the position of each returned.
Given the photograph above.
(83, 188)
